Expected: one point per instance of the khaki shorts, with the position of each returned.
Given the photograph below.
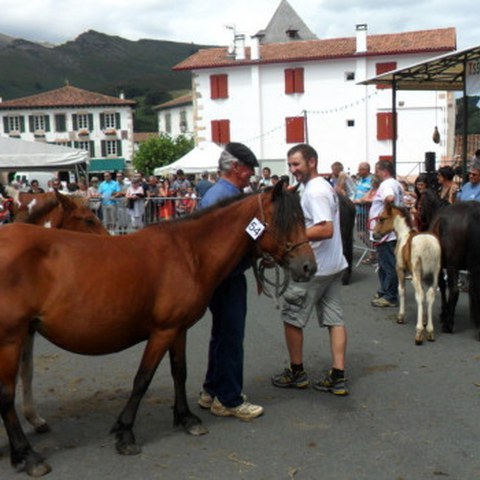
(321, 292)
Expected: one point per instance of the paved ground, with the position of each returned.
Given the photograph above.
(413, 412)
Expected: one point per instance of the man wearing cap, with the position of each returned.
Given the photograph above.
(203, 185)
(222, 388)
(471, 189)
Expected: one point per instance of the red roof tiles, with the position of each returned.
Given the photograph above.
(67, 96)
(438, 41)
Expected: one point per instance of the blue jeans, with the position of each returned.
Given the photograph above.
(224, 378)
(386, 271)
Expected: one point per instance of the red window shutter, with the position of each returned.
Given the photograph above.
(222, 86)
(385, 157)
(384, 68)
(224, 131)
(295, 127)
(385, 126)
(213, 87)
(220, 131)
(289, 81)
(298, 75)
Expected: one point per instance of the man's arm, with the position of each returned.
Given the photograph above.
(320, 231)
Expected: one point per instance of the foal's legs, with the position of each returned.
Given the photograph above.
(401, 295)
(22, 454)
(452, 299)
(181, 412)
(157, 345)
(420, 298)
(430, 300)
(26, 374)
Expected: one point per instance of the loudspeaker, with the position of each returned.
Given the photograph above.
(429, 162)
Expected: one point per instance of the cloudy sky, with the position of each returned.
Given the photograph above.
(204, 21)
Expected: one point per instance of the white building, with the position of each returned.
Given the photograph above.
(175, 117)
(288, 87)
(70, 116)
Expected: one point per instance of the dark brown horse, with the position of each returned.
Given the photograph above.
(53, 210)
(458, 229)
(196, 253)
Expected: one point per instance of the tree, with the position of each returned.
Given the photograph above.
(159, 151)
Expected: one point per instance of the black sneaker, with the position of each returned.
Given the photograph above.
(290, 379)
(336, 386)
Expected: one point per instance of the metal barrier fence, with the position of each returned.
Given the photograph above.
(122, 217)
(362, 235)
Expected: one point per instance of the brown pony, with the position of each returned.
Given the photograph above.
(197, 253)
(53, 210)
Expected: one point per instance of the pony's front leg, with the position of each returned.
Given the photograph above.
(452, 299)
(157, 345)
(401, 295)
(430, 302)
(26, 374)
(181, 412)
(420, 298)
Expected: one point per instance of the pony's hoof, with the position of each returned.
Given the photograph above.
(128, 449)
(419, 339)
(197, 430)
(431, 337)
(43, 428)
(401, 320)
(39, 470)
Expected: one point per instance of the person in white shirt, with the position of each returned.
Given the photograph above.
(323, 292)
(391, 191)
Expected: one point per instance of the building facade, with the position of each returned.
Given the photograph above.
(287, 87)
(175, 117)
(70, 116)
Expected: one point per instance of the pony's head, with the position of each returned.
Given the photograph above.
(386, 220)
(68, 213)
(284, 236)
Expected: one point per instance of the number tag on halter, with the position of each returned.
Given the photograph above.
(255, 228)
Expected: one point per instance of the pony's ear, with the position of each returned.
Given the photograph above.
(65, 201)
(388, 207)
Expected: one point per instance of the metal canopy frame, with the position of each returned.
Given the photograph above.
(446, 73)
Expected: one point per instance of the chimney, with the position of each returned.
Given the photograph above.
(255, 48)
(240, 46)
(361, 29)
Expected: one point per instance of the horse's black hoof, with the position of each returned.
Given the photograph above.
(38, 470)
(127, 448)
(34, 465)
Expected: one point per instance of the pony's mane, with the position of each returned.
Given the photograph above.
(287, 212)
(405, 213)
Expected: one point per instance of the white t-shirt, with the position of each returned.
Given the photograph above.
(320, 204)
(388, 187)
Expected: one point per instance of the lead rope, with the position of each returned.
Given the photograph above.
(265, 284)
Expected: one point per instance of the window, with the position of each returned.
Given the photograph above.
(218, 86)
(82, 121)
(295, 127)
(221, 131)
(384, 68)
(89, 146)
(183, 121)
(168, 122)
(350, 123)
(294, 80)
(109, 121)
(111, 148)
(60, 122)
(385, 126)
(14, 123)
(39, 122)
(349, 76)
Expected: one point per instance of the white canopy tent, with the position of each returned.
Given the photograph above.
(20, 155)
(204, 157)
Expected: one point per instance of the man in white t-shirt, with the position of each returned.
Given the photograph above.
(391, 191)
(322, 293)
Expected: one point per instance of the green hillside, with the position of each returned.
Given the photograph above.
(94, 61)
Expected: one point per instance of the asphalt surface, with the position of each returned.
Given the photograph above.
(413, 412)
